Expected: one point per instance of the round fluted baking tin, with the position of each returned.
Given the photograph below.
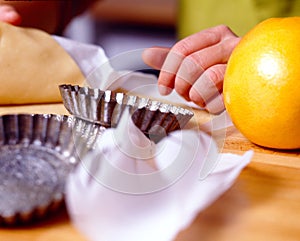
(154, 118)
(37, 152)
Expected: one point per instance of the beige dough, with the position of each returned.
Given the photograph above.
(32, 65)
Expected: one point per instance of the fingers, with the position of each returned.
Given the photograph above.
(216, 105)
(155, 56)
(187, 60)
(8, 14)
(193, 66)
(207, 90)
(203, 39)
(166, 80)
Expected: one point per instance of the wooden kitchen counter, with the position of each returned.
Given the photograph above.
(263, 204)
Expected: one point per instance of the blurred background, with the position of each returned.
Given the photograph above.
(123, 25)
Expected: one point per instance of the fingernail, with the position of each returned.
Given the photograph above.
(163, 90)
(216, 105)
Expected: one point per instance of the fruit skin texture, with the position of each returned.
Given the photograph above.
(262, 84)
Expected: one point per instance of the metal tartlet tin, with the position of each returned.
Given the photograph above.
(37, 152)
(155, 119)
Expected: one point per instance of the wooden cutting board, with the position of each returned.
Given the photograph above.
(263, 204)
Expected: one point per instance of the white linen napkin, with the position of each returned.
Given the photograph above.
(130, 188)
(135, 190)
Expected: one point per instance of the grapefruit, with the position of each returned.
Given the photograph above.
(262, 84)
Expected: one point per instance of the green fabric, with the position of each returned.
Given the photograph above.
(239, 15)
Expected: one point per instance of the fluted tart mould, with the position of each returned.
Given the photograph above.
(37, 152)
(153, 118)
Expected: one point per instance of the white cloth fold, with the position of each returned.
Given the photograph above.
(109, 198)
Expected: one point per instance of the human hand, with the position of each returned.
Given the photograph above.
(195, 66)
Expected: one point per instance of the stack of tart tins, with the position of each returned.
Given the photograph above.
(155, 119)
(37, 152)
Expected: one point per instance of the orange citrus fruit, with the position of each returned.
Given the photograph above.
(262, 84)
